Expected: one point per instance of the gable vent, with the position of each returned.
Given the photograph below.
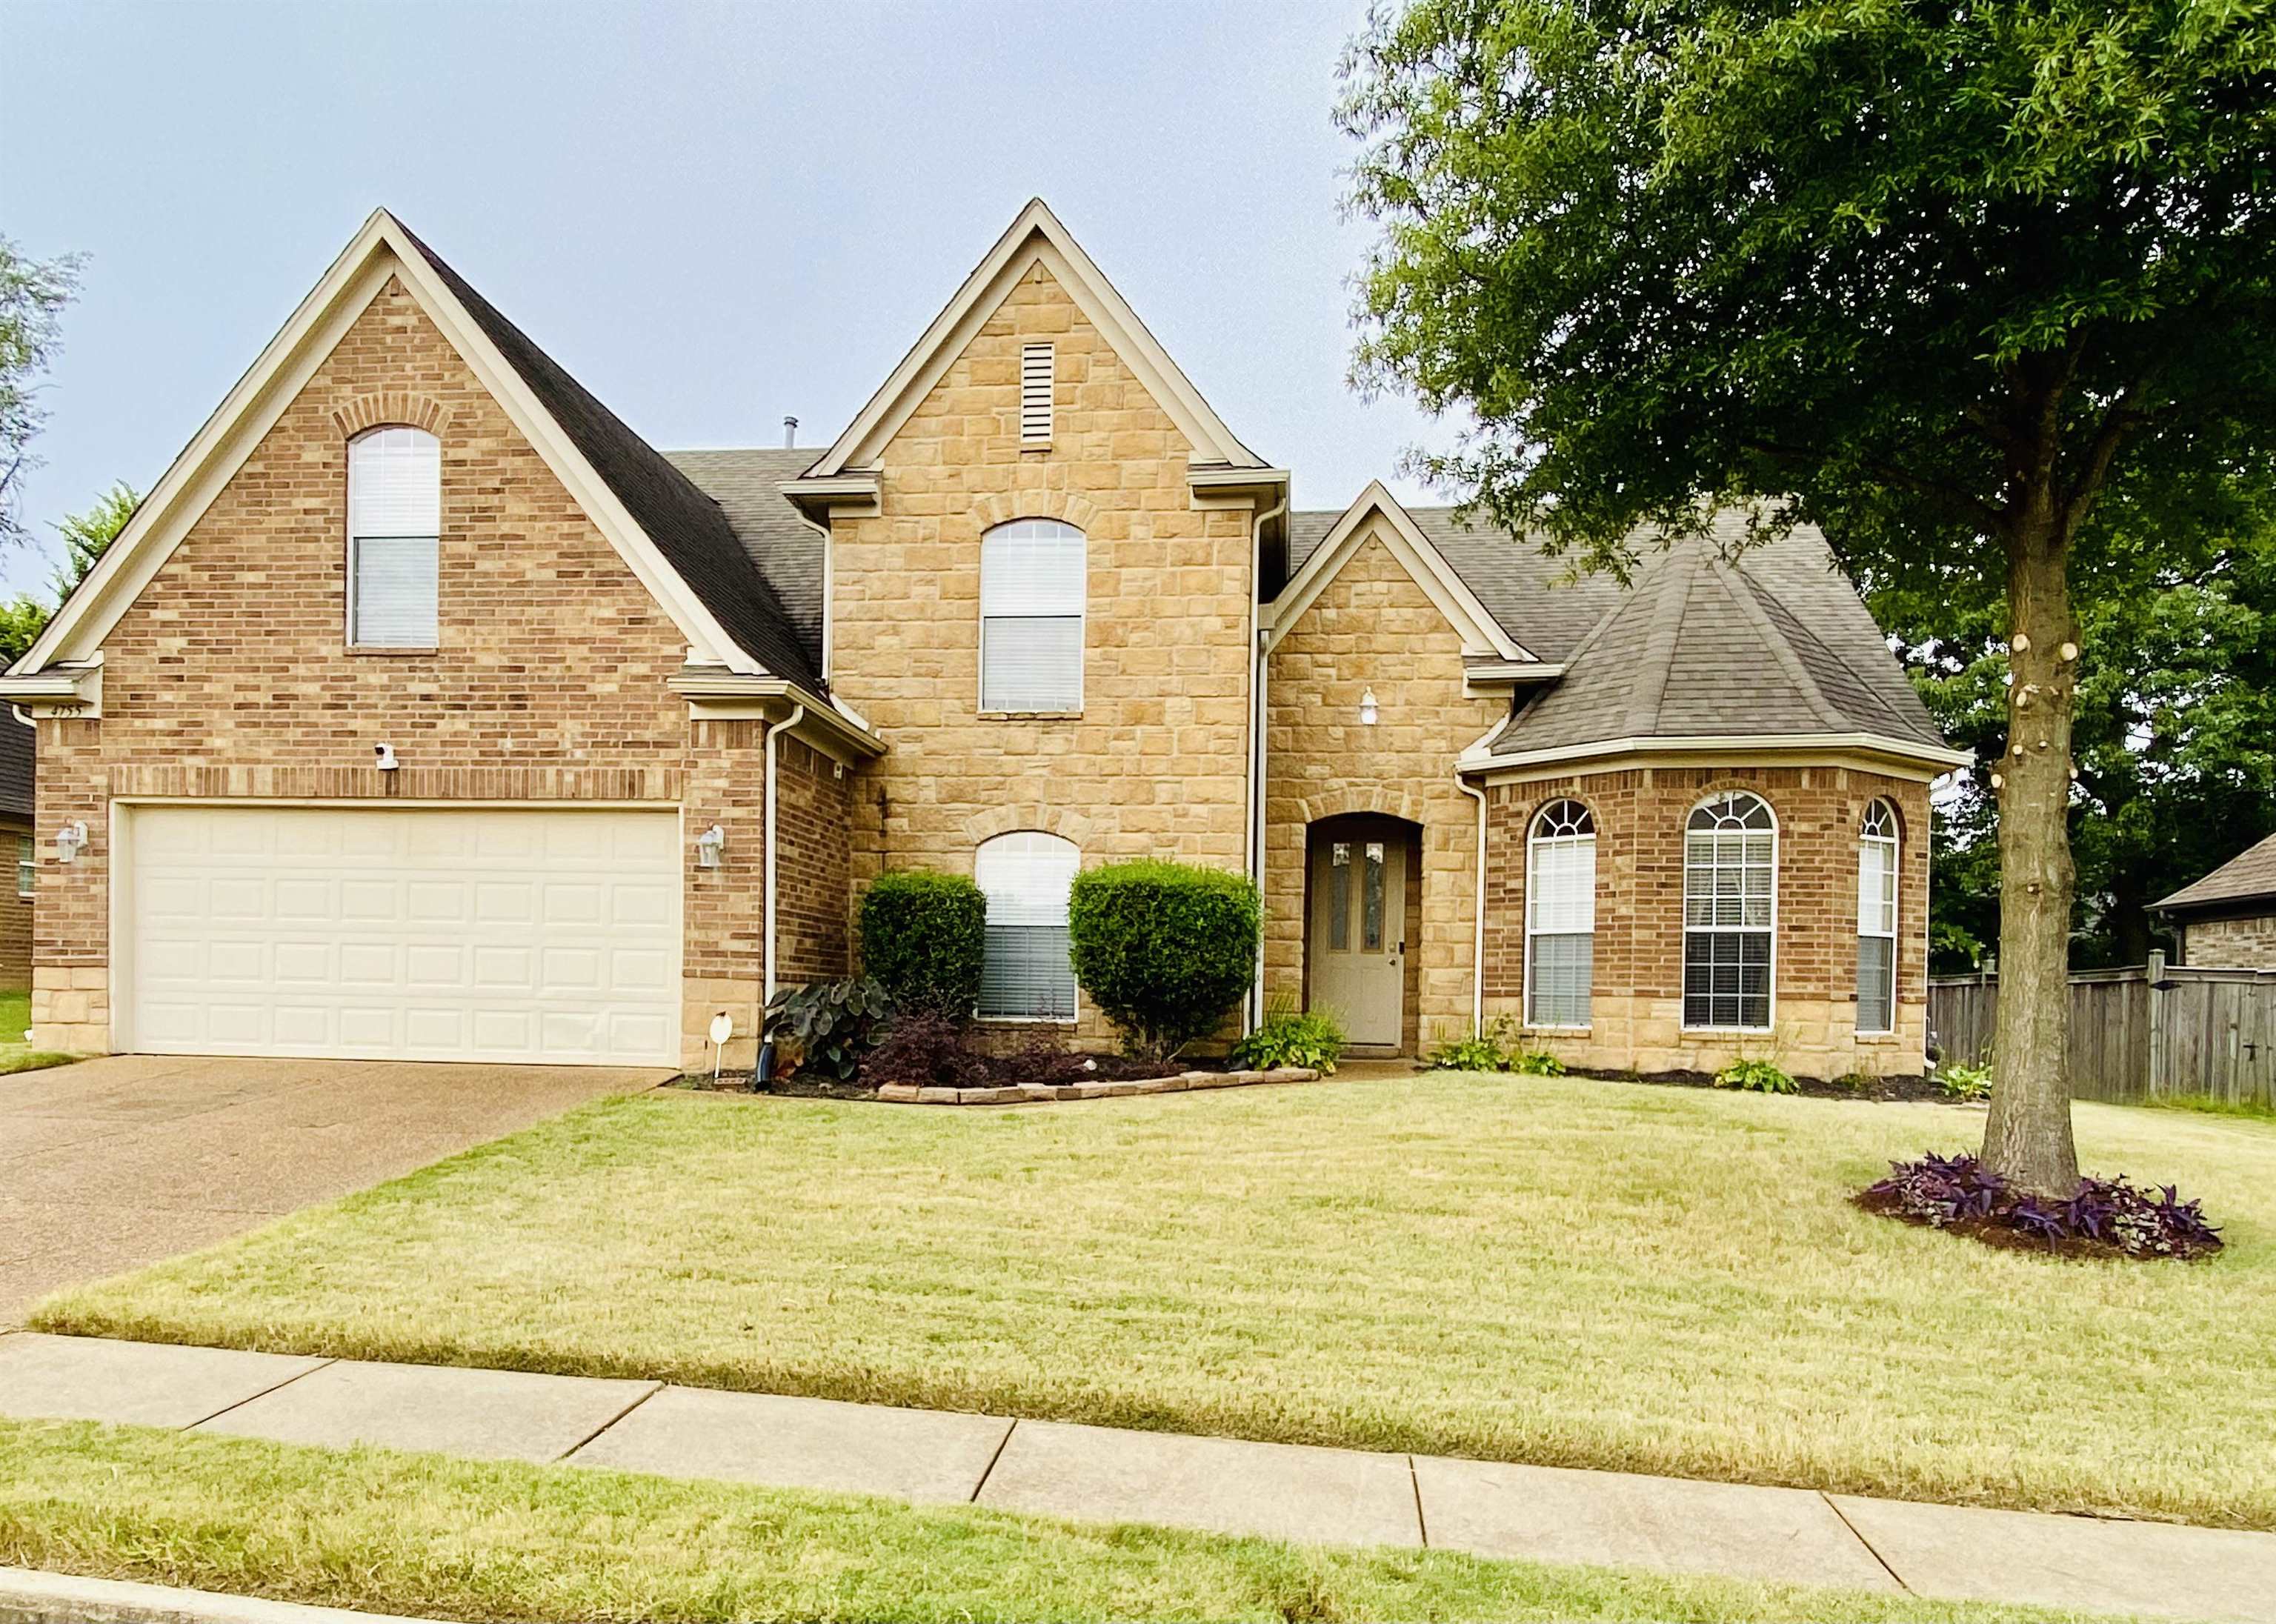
(1036, 374)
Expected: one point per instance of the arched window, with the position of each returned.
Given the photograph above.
(1031, 604)
(1730, 909)
(1027, 974)
(1877, 919)
(395, 521)
(1560, 915)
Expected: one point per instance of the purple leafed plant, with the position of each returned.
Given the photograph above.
(1945, 1191)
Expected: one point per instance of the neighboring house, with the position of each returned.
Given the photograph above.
(2227, 920)
(425, 710)
(16, 813)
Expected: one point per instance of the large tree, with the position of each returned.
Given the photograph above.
(33, 295)
(85, 537)
(1957, 284)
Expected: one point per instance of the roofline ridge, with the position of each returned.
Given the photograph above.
(1658, 654)
(1782, 650)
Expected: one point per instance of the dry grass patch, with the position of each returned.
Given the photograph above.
(1558, 1271)
(427, 1535)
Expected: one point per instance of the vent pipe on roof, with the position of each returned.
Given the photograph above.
(790, 432)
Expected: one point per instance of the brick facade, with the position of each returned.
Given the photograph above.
(230, 676)
(15, 924)
(1155, 765)
(2246, 944)
(1636, 1011)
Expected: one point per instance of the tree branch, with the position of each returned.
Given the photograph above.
(1952, 500)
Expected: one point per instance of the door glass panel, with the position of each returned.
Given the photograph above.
(1339, 897)
(1372, 899)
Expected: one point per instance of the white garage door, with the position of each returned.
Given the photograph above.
(510, 934)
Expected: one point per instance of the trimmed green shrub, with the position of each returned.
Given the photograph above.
(829, 1025)
(923, 936)
(1164, 948)
(1290, 1037)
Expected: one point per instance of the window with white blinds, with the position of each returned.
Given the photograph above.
(1877, 919)
(1027, 974)
(1032, 574)
(1038, 368)
(395, 523)
(1560, 915)
(1730, 910)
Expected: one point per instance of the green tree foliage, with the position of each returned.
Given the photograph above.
(2175, 741)
(85, 537)
(1967, 287)
(924, 936)
(33, 295)
(1164, 948)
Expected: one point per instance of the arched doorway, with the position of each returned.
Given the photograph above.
(1362, 907)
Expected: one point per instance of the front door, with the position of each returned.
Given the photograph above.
(1357, 945)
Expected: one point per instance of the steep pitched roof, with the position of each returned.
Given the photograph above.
(780, 540)
(688, 527)
(2249, 876)
(1773, 644)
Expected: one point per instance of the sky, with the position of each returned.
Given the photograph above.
(713, 214)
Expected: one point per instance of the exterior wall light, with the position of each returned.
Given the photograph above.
(69, 838)
(709, 845)
(1367, 713)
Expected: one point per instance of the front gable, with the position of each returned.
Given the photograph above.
(1377, 520)
(384, 259)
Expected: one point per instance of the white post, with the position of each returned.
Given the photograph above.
(2155, 1081)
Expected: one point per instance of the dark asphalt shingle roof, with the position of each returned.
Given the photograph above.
(777, 536)
(689, 528)
(2243, 878)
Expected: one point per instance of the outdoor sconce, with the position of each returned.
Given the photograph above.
(69, 838)
(1367, 709)
(709, 845)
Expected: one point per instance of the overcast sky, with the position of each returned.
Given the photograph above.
(712, 214)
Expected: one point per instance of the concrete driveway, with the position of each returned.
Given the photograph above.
(117, 1162)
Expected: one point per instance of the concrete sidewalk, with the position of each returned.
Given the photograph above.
(1096, 1474)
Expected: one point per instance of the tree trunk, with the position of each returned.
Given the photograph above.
(2029, 1135)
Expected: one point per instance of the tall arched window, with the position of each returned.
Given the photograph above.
(395, 521)
(1027, 974)
(1730, 910)
(1560, 915)
(1877, 919)
(1031, 605)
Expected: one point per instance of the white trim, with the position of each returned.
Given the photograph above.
(1082, 619)
(1894, 935)
(1036, 236)
(716, 695)
(1533, 839)
(1778, 844)
(767, 898)
(72, 690)
(1477, 916)
(1477, 758)
(1482, 635)
(381, 249)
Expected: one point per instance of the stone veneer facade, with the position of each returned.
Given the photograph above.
(1156, 762)
(1373, 629)
(1637, 1009)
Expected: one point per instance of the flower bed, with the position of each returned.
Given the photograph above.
(1096, 1086)
(2107, 1217)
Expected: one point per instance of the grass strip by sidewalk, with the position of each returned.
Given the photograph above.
(16, 1055)
(429, 1535)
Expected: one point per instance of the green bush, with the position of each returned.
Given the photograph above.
(923, 936)
(1959, 1081)
(1536, 1063)
(1290, 1037)
(1760, 1076)
(1497, 1049)
(830, 1024)
(1164, 949)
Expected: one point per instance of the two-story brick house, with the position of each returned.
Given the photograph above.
(424, 710)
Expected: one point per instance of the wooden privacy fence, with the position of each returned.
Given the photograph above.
(2142, 1032)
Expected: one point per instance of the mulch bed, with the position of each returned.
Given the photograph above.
(1896, 1089)
(1883, 1204)
(1000, 1071)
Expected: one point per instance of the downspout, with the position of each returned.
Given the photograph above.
(797, 715)
(1258, 647)
(1478, 917)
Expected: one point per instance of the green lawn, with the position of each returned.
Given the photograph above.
(16, 1055)
(435, 1537)
(1560, 1271)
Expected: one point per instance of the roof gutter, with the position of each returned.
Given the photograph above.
(796, 715)
(717, 693)
(1477, 759)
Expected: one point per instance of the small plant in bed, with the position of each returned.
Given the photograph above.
(827, 1026)
(1291, 1037)
(2106, 1217)
(1961, 1081)
(1755, 1074)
